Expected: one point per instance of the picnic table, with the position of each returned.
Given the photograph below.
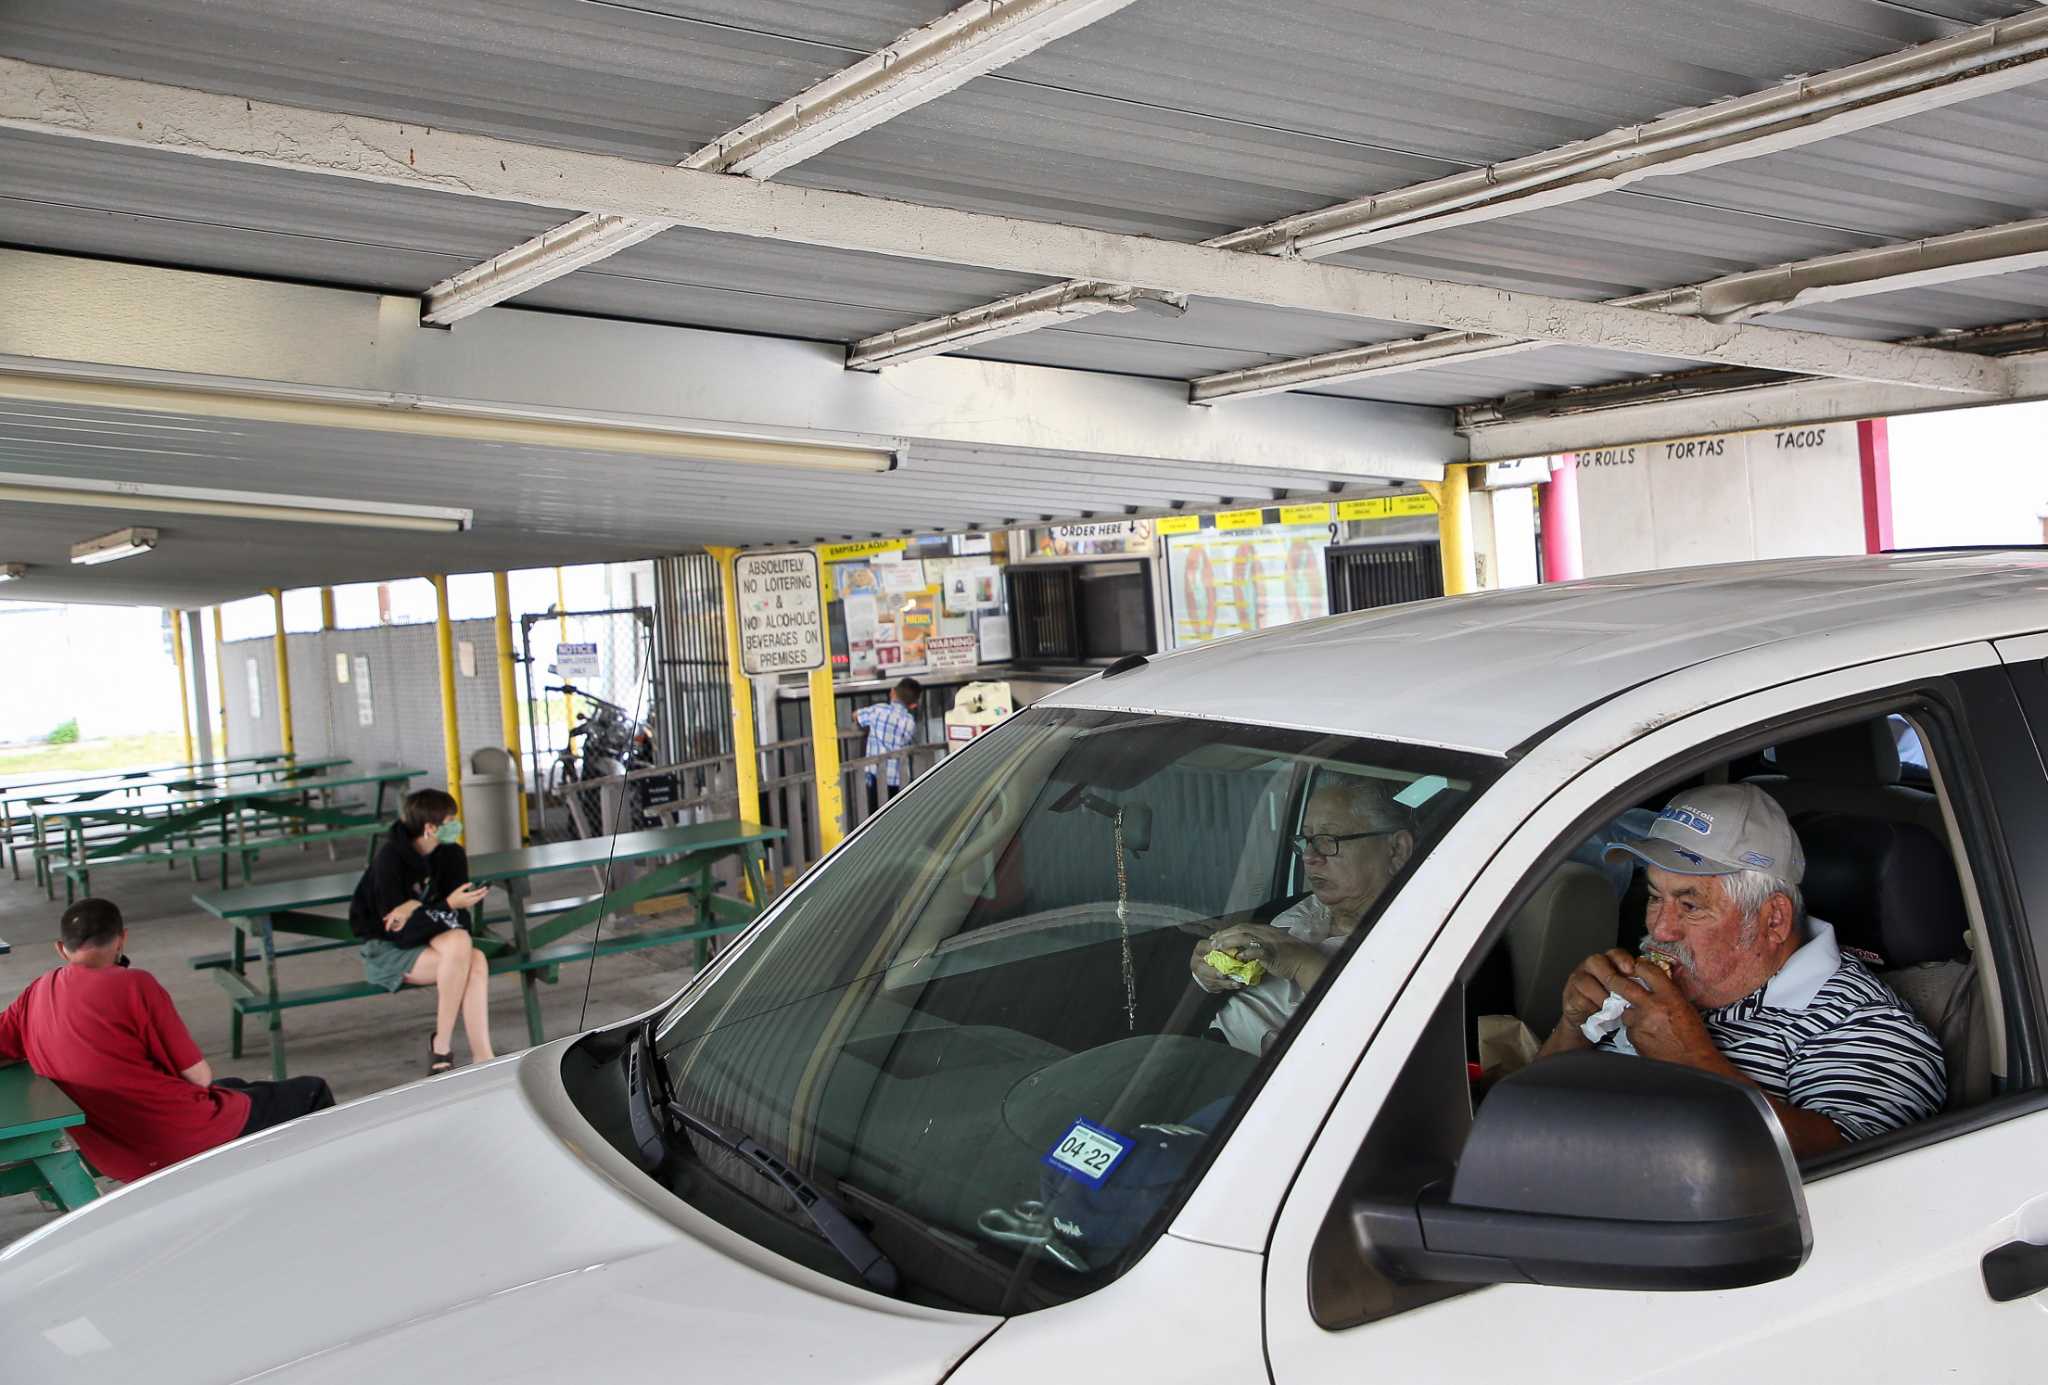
(149, 829)
(19, 803)
(538, 944)
(36, 1156)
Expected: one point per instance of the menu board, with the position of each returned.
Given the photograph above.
(1223, 582)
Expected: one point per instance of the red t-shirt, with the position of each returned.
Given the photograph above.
(110, 1037)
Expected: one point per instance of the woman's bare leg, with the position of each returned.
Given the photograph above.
(445, 967)
(476, 996)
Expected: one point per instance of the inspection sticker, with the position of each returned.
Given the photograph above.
(1087, 1152)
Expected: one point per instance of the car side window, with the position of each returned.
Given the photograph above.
(1897, 880)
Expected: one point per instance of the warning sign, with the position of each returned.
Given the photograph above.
(782, 621)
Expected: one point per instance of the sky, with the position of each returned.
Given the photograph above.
(1970, 476)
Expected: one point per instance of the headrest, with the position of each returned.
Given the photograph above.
(1888, 887)
(1861, 753)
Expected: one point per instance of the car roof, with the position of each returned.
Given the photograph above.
(1490, 671)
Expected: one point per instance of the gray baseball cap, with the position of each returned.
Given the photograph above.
(1720, 829)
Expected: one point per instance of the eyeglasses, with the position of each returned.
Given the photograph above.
(1326, 844)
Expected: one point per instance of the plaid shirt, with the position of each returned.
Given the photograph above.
(890, 726)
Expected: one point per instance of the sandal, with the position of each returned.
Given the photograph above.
(438, 1062)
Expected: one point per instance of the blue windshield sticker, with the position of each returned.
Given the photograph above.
(1087, 1152)
(1422, 790)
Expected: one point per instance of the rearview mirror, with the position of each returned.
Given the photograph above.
(1599, 1171)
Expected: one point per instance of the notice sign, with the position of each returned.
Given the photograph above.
(781, 615)
(951, 652)
(577, 660)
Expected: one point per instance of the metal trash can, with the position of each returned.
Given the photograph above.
(490, 802)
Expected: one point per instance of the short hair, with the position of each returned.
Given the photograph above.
(424, 808)
(909, 690)
(90, 923)
(1367, 800)
(1750, 890)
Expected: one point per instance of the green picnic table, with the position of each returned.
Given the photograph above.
(149, 829)
(18, 799)
(536, 948)
(36, 1156)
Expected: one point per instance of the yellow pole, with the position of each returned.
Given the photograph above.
(561, 591)
(825, 738)
(1454, 531)
(444, 642)
(746, 757)
(284, 677)
(220, 680)
(508, 688)
(184, 683)
(327, 608)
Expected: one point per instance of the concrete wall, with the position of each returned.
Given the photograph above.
(1793, 492)
(404, 696)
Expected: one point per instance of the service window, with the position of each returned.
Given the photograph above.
(1883, 1021)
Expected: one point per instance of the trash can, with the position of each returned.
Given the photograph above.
(490, 802)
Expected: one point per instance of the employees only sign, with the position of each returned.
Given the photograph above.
(782, 621)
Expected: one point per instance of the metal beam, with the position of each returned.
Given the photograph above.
(1548, 428)
(1962, 67)
(922, 65)
(1976, 254)
(52, 101)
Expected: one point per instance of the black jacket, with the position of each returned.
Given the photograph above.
(397, 873)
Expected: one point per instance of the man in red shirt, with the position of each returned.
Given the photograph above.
(112, 1040)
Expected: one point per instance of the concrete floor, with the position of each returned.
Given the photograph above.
(359, 1046)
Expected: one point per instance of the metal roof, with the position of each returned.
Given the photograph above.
(1179, 121)
(1525, 660)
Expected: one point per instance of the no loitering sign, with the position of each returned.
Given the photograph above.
(781, 615)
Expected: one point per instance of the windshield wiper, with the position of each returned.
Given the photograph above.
(875, 1269)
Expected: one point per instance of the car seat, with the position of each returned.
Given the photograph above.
(1569, 917)
(1848, 769)
(1890, 889)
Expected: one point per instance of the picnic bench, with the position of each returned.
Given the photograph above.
(215, 824)
(36, 1156)
(18, 795)
(538, 943)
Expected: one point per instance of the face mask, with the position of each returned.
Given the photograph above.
(451, 832)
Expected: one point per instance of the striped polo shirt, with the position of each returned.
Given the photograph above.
(1826, 1035)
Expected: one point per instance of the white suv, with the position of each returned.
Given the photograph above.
(956, 1108)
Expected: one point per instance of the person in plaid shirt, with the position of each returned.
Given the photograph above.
(890, 725)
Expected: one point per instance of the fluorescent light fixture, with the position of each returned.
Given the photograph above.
(193, 500)
(13, 572)
(414, 416)
(122, 543)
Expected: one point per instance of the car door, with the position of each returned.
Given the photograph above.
(1893, 1288)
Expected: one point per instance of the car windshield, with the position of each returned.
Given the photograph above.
(975, 1026)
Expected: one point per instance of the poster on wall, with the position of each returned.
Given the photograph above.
(858, 612)
(994, 633)
(366, 708)
(1223, 582)
(976, 588)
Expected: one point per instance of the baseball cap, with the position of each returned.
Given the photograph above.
(1719, 829)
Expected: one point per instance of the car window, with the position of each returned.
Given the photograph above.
(1896, 875)
(978, 1023)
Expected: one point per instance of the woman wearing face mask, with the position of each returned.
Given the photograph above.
(410, 911)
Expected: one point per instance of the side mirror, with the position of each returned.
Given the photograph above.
(1600, 1171)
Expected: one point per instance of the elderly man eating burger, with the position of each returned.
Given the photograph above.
(1735, 979)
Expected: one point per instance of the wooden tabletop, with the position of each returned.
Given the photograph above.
(316, 891)
(30, 1105)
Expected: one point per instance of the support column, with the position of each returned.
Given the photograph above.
(561, 591)
(184, 688)
(284, 677)
(200, 720)
(444, 645)
(1559, 497)
(327, 608)
(825, 736)
(1454, 530)
(1874, 446)
(746, 755)
(508, 688)
(220, 676)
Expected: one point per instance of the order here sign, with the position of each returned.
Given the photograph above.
(781, 615)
